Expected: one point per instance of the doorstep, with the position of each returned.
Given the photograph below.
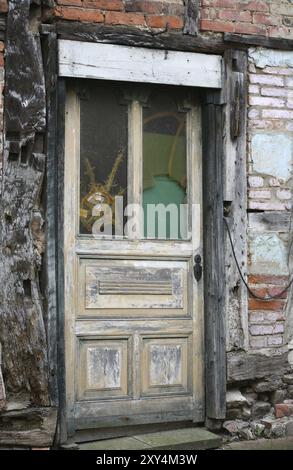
(179, 439)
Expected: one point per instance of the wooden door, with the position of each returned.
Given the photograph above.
(133, 310)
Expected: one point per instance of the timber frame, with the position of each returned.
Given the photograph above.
(215, 141)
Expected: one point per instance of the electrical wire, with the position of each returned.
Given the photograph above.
(258, 297)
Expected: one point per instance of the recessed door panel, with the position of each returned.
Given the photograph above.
(103, 368)
(140, 287)
(165, 366)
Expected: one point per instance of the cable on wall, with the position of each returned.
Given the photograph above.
(258, 297)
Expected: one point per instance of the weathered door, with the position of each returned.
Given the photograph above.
(133, 310)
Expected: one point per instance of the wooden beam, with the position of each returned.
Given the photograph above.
(136, 64)
(235, 194)
(130, 36)
(60, 270)
(2, 27)
(191, 17)
(29, 427)
(243, 366)
(49, 49)
(22, 328)
(250, 40)
(215, 344)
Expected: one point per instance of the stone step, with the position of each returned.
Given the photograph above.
(179, 439)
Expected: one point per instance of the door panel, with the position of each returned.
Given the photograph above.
(133, 311)
(165, 366)
(142, 287)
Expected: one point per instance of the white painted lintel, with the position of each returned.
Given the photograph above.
(137, 64)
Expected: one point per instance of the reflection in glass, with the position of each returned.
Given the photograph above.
(164, 168)
(103, 155)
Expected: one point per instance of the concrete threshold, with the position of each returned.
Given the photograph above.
(179, 439)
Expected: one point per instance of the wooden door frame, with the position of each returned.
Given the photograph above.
(213, 111)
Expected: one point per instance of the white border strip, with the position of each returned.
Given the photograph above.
(137, 64)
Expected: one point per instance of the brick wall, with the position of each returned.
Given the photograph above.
(155, 14)
(273, 18)
(3, 6)
(270, 143)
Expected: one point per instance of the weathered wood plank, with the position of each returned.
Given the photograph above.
(2, 386)
(130, 36)
(34, 427)
(22, 330)
(59, 214)
(172, 409)
(251, 40)
(25, 105)
(2, 27)
(191, 17)
(214, 259)
(134, 64)
(243, 366)
(235, 195)
(49, 49)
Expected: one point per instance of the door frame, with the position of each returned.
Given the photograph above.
(213, 250)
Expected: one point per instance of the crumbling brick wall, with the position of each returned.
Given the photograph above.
(273, 18)
(270, 140)
(167, 14)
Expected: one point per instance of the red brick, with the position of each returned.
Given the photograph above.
(283, 409)
(229, 15)
(233, 15)
(130, 19)
(260, 291)
(248, 28)
(162, 21)
(3, 6)
(254, 6)
(79, 14)
(277, 291)
(255, 304)
(262, 18)
(73, 3)
(174, 22)
(144, 6)
(219, 26)
(114, 5)
(156, 21)
(245, 16)
(224, 3)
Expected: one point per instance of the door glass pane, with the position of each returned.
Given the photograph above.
(164, 167)
(103, 158)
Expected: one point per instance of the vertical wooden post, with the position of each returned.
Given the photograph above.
(49, 49)
(235, 195)
(22, 318)
(214, 263)
(191, 17)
